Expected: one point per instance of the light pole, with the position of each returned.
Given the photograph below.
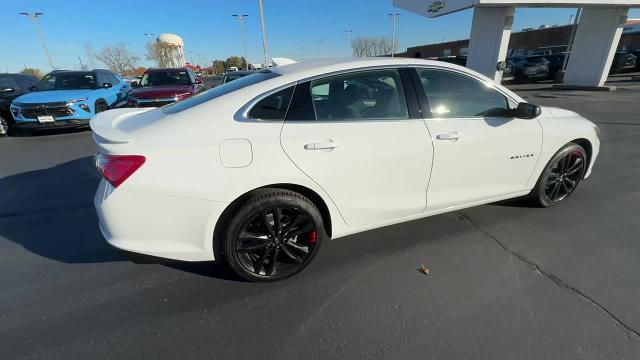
(264, 35)
(34, 19)
(241, 18)
(348, 32)
(319, 43)
(394, 17)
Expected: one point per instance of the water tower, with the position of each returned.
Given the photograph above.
(171, 51)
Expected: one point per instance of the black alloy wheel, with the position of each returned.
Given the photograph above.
(273, 236)
(561, 176)
(564, 176)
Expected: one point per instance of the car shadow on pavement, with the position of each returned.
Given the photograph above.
(50, 213)
(48, 132)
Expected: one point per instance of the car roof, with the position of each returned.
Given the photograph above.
(240, 72)
(165, 69)
(320, 67)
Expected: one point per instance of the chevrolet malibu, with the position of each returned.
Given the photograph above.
(262, 170)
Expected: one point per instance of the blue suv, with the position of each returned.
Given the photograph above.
(65, 98)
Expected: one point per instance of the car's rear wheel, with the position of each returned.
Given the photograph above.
(561, 176)
(273, 235)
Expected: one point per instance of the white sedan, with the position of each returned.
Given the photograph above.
(262, 170)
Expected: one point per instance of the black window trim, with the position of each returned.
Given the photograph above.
(422, 95)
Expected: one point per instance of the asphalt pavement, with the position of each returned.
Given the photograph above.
(506, 281)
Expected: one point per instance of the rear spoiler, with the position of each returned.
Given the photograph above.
(104, 125)
(282, 61)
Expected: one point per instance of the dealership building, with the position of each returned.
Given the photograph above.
(549, 39)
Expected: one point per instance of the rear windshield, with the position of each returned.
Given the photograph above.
(219, 91)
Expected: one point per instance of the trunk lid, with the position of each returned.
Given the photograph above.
(119, 126)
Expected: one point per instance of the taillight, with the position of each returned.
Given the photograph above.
(117, 168)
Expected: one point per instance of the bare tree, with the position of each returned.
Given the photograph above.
(117, 58)
(366, 46)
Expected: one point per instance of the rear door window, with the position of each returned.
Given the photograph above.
(366, 95)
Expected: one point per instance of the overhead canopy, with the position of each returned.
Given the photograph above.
(435, 8)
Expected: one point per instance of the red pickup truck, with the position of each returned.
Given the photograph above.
(159, 87)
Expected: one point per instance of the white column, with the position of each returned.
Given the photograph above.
(489, 41)
(594, 45)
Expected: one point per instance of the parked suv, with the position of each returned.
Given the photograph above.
(623, 61)
(159, 87)
(529, 68)
(12, 86)
(66, 98)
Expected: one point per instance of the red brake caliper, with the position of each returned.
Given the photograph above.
(312, 237)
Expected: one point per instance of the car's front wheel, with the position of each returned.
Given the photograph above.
(4, 127)
(561, 176)
(101, 106)
(274, 234)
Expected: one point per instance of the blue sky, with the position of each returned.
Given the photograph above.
(209, 31)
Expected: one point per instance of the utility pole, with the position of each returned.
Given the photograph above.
(348, 32)
(394, 18)
(241, 18)
(264, 35)
(34, 19)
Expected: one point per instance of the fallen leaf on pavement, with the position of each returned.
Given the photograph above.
(425, 270)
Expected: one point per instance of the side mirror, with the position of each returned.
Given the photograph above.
(527, 111)
(134, 84)
(6, 90)
(106, 85)
(33, 88)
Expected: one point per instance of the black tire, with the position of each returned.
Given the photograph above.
(101, 106)
(5, 126)
(258, 248)
(560, 177)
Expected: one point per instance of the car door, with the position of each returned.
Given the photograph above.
(121, 89)
(360, 136)
(480, 150)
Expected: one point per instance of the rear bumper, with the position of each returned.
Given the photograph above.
(158, 225)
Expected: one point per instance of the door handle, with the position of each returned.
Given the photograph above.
(454, 135)
(325, 145)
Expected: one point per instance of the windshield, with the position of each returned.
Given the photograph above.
(169, 77)
(7, 82)
(219, 91)
(67, 81)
